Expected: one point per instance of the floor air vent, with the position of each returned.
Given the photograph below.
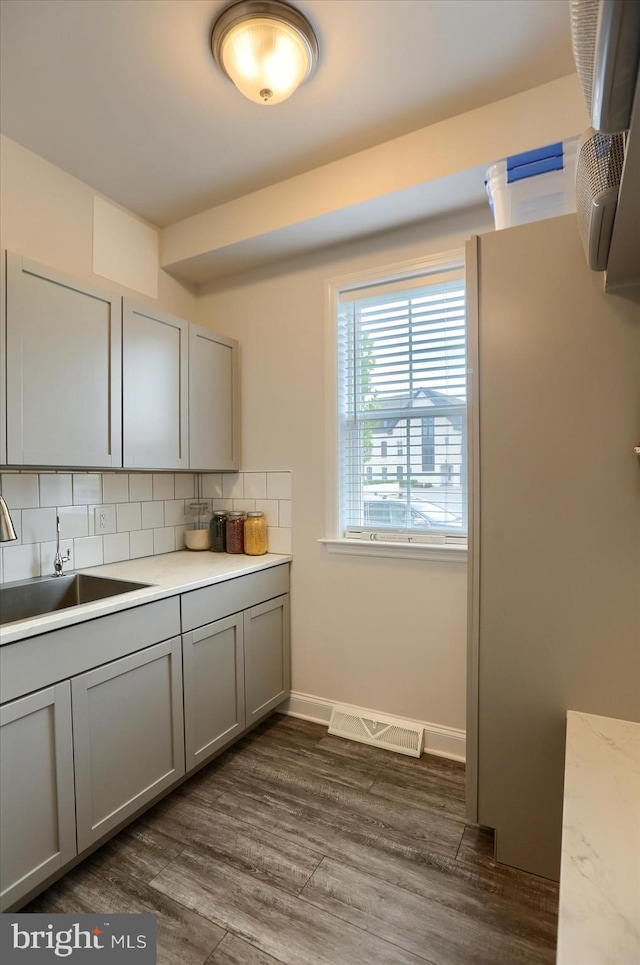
(394, 735)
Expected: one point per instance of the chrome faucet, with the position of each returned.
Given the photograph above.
(59, 560)
(7, 530)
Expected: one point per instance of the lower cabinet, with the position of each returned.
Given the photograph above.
(235, 671)
(131, 715)
(37, 816)
(128, 736)
(266, 657)
(213, 659)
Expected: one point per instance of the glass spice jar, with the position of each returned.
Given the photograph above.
(255, 534)
(218, 530)
(235, 532)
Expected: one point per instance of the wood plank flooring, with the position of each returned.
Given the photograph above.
(298, 848)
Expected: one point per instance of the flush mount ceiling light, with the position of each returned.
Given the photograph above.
(266, 47)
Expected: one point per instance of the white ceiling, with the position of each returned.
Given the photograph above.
(124, 94)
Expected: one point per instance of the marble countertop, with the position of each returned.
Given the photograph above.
(599, 919)
(168, 575)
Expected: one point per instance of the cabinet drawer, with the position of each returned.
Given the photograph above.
(214, 602)
(43, 660)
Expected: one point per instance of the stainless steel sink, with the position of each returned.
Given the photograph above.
(32, 598)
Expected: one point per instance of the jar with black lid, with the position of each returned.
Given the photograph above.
(219, 531)
(235, 532)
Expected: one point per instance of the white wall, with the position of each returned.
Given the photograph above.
(436, 168)
(384, 634)
(46, 214)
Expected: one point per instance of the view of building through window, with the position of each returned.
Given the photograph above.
(402, 381)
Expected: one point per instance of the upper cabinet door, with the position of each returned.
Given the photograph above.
(63, 369)
(213, 401)
(155, 373)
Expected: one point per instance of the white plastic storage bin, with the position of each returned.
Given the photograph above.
(535, 185)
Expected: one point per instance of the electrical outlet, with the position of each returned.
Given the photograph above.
(104, 519)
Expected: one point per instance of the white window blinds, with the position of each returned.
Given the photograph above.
(402, 410)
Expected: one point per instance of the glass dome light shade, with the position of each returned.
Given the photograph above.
(262, 56)
(266, 47)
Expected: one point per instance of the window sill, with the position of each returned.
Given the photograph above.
(402, 551)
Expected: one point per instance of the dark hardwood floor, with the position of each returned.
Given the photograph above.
(299, 848)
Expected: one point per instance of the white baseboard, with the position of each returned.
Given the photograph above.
(439, 740)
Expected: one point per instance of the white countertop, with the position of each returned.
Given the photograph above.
(599, 918)
(170, 574)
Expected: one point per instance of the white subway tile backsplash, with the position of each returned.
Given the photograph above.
(157, 502)
(164, 540)
(87, 552)
(21, 562)
(38, 525)
(184, 485)
(140, 487)
(174, 512)
(116, 547)
(115, 487)
(141, 543)
(284, 513)
(278, 485)
(152, 515)
(20, 490)
(87, 488)
(270, 509)
(163, 485)
(48, 552)
(74, 521)
(244, 505)
(220, 504)
(255, 485)
(278, 539)
(128, 517)
(212, 485)
(232, 485)
(55, 489)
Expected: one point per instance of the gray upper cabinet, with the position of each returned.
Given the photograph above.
(128, 736)
(92, 380)
(213, 401)
(155, 374)
(63, 344)
(37, 816)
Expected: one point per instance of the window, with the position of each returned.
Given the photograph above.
(402, 391)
